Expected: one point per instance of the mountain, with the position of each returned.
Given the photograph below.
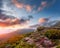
(20, 31)
(57, 24)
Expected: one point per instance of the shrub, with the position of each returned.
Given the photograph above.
(40, 28)
(53, 34)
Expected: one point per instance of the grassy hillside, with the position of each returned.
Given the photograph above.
(43, 37)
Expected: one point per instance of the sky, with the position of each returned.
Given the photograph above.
(36, 8)
(29, 12)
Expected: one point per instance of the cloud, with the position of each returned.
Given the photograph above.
(28, 8)
(24, 21)
(17, 4)
(42, 6)
(43, 20)
(52, 3)
(10, 6)
(45, 4)
(34, 26)
(40, 9)
(22, 5)
(0, 3)
(8, 21)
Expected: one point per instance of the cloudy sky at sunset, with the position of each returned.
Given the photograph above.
(36, 8)
(28, 12)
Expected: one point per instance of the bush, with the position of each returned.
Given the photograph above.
(40, 28)
(53, 34)
(24, 44)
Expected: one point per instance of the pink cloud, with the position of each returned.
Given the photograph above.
(27, 7)
(42, 6)
(21, 5)
(43, 3)
(40, 9)
(15, 21)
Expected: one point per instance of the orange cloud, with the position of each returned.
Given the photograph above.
(15, 21)
(43, 20)
(3, 24)
(21, 5)
(7, 20)
(18, 5)
(28, 7)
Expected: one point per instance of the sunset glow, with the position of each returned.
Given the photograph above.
(21, 14)
(9, 29)
(29, 23)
